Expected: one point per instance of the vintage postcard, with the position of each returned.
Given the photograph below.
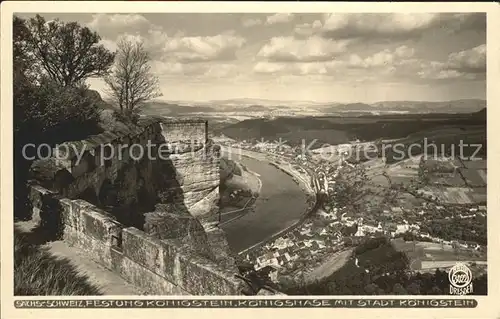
(163, 156)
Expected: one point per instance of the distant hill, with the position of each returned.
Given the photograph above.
(350, 107)
(173, 109)
(256, 108)
(304, 108)
(341, 129)
(455, 106)
(262, 102)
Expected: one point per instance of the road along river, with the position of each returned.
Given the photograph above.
(281, 204)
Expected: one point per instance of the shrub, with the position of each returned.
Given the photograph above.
(50, 114)
(55, 113)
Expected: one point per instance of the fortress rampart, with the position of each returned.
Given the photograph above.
(107, 204)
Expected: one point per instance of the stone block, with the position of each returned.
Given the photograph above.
(149, 252)
(220, 247)
(200, 276)
(187, 229)
(35, 196)
(74, 216)
(101, 226)
(147, 280)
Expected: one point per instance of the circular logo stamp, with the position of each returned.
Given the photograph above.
(460, 275)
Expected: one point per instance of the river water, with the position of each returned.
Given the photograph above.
(280, 204)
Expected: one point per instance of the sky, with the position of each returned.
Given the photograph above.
(340, 57)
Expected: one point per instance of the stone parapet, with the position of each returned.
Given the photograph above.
(157, 266)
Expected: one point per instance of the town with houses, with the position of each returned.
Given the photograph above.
(433, 215)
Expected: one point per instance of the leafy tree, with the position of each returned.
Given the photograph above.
(349, 189)
(423, 172)
(481, 285)
(131, 82)
(22, 60)
(414, 288)
(398, 289)
(371, 289)
(45, 110)
(436, 291)
(67, 53)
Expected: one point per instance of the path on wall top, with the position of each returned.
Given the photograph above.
(109, 283)
(281, 203)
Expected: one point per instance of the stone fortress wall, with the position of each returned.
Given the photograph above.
(177, 252)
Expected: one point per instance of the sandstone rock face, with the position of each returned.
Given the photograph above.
(185, 167)
(145, 218)
(195, 175)
(132, 172)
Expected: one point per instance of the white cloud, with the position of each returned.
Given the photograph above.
(112, 25)
(384, 58)
(433, 70)
(168, 68)
(109, 44)
(268, 67)
(375, 24)
(220, 70)
(328, 59)
(178, 48)
(307, 29)
(314, 68)
(184, 49)
(404, 52)
(472, 60)
(289, 49)
(301, 57)
(207, 48)
(393, 25)
(247, 23)
(467, 64)
(112, 45)
(279, 18)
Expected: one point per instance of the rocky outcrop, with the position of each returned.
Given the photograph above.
(146, 218)
(194, 178)
(178, 165)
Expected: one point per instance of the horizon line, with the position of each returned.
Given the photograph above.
(313, 101)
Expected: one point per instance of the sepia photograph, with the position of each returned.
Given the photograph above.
(271, 154)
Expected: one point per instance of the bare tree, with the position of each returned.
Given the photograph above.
(131, 82)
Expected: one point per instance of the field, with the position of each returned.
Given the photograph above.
(439, 142)
(477, 164)
(453, 195)
(402, 173)
(447, 179)
(473, 177)
(479, 195)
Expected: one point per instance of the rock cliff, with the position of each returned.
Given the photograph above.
(169, 189)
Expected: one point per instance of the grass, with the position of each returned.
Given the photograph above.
(38, 273)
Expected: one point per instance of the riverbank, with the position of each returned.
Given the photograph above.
(281, 204)
(254, 183)
(311, 200)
